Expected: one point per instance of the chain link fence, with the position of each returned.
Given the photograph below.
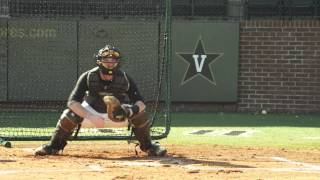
(185, 9)
(246, 9)
(81, 8)
(4, 8)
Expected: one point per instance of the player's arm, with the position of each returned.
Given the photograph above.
(135, 97)
(75, 99)
(76, 96)
(78, 109)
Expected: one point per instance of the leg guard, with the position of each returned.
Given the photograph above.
(64, 130)
(141, 130)
(62, 133)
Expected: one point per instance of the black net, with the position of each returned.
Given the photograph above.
(282, 9)
(47, 44)
(245, 9)
(103, 8)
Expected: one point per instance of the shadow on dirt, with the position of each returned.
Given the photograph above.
(168, 160)
(6, 160)
(189, 161)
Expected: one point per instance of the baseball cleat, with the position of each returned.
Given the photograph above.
(45, 150)
(156, 150)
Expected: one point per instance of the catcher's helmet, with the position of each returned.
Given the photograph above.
(108, 53)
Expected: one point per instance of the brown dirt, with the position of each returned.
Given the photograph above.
(117, 161)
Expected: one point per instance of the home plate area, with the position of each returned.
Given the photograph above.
(117, 160)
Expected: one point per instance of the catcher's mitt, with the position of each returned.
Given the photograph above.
(115, 111)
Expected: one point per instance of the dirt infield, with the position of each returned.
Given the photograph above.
(117, 161)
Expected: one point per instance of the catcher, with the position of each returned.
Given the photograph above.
(96, 101)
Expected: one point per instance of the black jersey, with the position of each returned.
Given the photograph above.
(91, 88)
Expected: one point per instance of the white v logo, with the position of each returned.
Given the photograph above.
(199, 66)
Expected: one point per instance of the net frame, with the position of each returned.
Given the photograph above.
(159, 108)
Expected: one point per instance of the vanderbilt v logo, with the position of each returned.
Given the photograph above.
(199, 66)
(199, 63)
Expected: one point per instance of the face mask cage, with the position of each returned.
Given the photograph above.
(114, 56)
(108, 52)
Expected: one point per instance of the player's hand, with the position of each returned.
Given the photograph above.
(98, 121)
(121, 113)
(116, 112)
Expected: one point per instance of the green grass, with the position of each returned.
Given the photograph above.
(272, 130)
(244, 119)
(29, 119)
(30, 125)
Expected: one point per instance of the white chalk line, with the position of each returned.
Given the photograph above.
(307, 165)
(94, 167)
(29, 150)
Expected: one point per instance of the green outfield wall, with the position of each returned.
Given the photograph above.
(252, 65)
(43, 59)
(205, 61)
(3, 60)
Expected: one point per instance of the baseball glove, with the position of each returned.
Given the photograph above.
(115, 111)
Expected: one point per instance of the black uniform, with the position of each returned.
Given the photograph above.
(91, 88)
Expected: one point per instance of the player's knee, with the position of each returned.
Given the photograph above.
(72, 116)
(69, 121)
(140, 120)
(67, 125)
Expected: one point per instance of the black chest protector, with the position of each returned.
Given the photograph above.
(99, 88)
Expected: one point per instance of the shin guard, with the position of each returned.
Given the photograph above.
(141, 130)
(63, 132)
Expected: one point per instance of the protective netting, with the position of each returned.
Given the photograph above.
(104, 8)
(188, 9)
(246, 9)
(46, 44)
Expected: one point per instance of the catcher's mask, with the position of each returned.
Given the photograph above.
(108, 59)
